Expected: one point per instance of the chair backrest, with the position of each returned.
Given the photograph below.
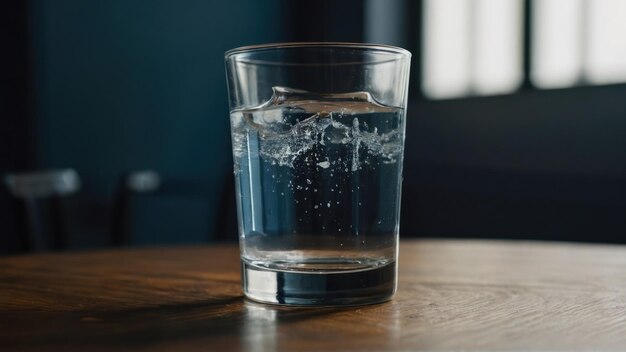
(136, 182)
(150, 208)
(40, 202)
(33, 185)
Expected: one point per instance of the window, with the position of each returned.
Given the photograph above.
(471, 47)
(557, 45)
(606, 61)
(475, 47)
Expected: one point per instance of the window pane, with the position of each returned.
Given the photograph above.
(557, 39)
(498, 46)
(446, 48)
(607, 41)
(471, 47)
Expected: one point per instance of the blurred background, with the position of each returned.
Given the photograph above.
(114, 122)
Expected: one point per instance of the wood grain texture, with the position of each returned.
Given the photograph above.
(453, 295)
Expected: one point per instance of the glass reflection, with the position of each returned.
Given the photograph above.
(259, 329)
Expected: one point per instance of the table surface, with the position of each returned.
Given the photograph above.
(452, 295)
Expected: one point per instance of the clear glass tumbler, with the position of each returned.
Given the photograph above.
(318, 142)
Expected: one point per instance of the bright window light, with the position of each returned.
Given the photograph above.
(606, 55)
(474, 47)
(557, 42)
(498, 51)
(446, 48)
(471, 47)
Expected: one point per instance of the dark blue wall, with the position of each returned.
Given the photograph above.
(129, 85)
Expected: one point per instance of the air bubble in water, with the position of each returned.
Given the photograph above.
(323, 164)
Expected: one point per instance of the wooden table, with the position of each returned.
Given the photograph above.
(470, 295)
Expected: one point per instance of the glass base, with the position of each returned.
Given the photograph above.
(315, 288)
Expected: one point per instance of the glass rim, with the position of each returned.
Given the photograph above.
(382, 48)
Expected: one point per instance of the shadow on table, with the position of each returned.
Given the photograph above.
(231, 322)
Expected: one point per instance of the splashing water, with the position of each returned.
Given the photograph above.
(293, 122)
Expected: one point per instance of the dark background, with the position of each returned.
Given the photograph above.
(111, 87)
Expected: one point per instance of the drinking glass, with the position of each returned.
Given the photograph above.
(318, 140)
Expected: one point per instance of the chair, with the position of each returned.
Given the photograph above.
(40, 199)
(139, 182)
(152, 209)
